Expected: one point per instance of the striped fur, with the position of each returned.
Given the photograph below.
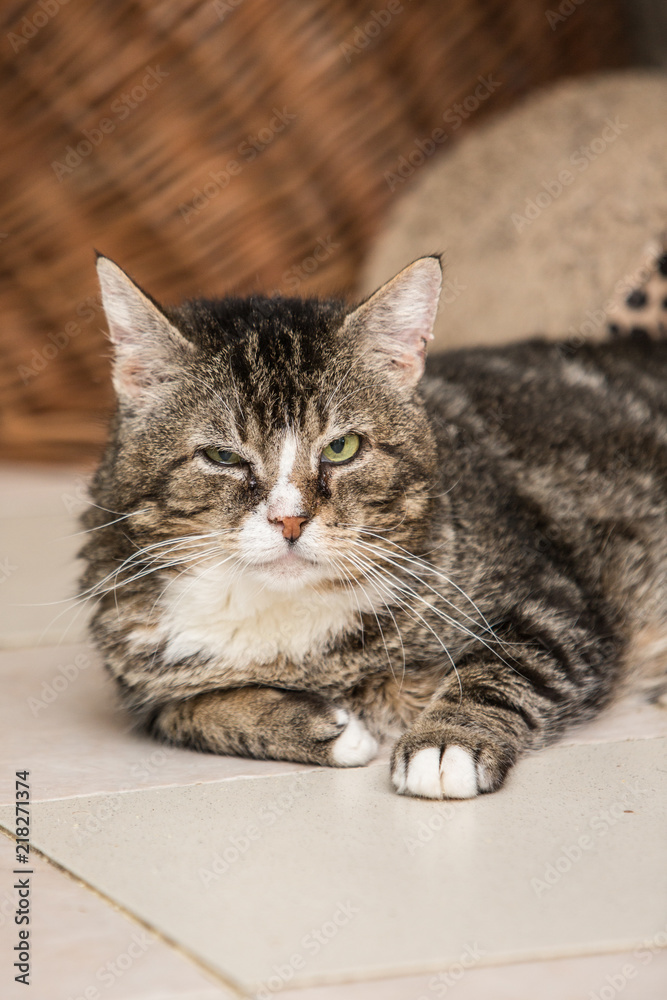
(484, 575)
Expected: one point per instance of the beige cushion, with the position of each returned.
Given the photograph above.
(540, 213)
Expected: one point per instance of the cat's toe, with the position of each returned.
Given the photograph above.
(430, 774)
(453, 773)
(355, 746)
(423, 774)
(458, 774)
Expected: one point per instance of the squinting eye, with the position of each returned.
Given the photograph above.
(341, 449)
(222, 457)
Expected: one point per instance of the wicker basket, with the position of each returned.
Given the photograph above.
(237, 144)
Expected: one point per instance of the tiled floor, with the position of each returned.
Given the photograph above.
(161, 874)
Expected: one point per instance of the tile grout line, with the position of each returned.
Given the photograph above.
(502, 962)
(314, 769)
(195, 960)
(374, 976)
(324, 983)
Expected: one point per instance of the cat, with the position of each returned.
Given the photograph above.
(305, 537)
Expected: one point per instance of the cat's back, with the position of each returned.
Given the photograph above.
(567, 441)
(556, 451)
(591, 404)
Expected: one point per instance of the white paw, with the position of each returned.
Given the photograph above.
(456, 776)
(355, 745)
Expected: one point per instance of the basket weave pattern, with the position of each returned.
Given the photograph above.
(221, 146)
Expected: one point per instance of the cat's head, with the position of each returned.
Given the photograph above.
(278, 430)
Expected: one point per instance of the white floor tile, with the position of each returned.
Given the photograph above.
(38, 579)
(637, 975)
(80, 942)
(42, 491)
(329, 876)
(59, 719)
(632, 718)
(248, 873)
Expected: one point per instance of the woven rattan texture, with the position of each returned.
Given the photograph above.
(246, 144)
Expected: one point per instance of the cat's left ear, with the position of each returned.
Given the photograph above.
(148, 348)
(394, 325)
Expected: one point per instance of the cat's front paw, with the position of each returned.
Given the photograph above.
(448, 765)
(355, 745)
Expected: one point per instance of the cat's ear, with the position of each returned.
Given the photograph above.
(148, 348)
(395, 324)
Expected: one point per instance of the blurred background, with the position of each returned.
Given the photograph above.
(235, 145)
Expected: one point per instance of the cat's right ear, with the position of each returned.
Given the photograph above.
(148, 348)
(395, 324)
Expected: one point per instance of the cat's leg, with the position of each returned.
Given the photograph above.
(267, 723)
(488, 713)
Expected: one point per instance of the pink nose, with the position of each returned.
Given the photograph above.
(291, 526)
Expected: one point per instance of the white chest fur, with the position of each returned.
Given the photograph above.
(230, 616)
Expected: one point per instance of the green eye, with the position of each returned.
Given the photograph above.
(341, 449)
(222, 457)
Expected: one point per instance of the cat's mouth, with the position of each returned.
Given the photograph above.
(285, 560)
(288, 568)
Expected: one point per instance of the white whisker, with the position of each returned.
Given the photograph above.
(406, 556)
(98, 527)
(365, 566)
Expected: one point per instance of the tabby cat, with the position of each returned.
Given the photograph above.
(305, 538)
